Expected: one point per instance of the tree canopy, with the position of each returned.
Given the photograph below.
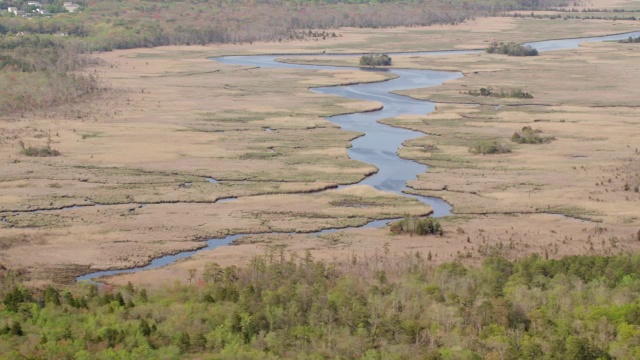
(370, 308)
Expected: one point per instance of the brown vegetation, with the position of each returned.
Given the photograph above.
(142, 23)
(179, 118)
(37, 73)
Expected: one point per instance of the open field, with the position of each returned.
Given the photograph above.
(145, 151)
(473, 34)
(467, 238)
(512, 189)
(590, 170)
(60, 244)
(177, 123)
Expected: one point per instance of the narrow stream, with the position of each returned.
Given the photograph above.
(381, 142)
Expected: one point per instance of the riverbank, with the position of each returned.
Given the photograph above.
(495, 210)
(180, 118)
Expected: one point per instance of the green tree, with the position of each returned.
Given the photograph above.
(375, 60)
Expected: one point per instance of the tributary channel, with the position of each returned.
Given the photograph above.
(380, 144)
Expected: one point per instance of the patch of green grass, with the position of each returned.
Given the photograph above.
(258, 155)
(92, 134)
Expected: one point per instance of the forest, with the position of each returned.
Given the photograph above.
(380, 307)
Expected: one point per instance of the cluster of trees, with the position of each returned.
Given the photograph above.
(383, 307)
(375, 60)
(38, 71)
(417, 226)
(485, 147)
(508, 93)
(530, 136)
(631, 39)
(511, 49)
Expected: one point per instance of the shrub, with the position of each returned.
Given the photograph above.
(509, 93)
(511, 49)
(530, 136)
(33, 151)
(375, 60)
(489, 147)
(414, 225)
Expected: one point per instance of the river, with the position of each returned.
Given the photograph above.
(380, 143)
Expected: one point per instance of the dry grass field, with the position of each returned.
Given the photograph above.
(135, 161)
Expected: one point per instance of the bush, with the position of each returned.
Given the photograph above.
(489, 147)
(375, 60)
(530, 136)
(414, 225)
(33, 151)
(511, 49)
(509, 93)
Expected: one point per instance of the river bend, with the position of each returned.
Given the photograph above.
(380, 144)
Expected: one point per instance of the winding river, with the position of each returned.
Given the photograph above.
(380, 143)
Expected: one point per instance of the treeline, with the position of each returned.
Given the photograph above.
(112, 24)
(511, 49)
(567, 17)
(615, 10)
(381, 307)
